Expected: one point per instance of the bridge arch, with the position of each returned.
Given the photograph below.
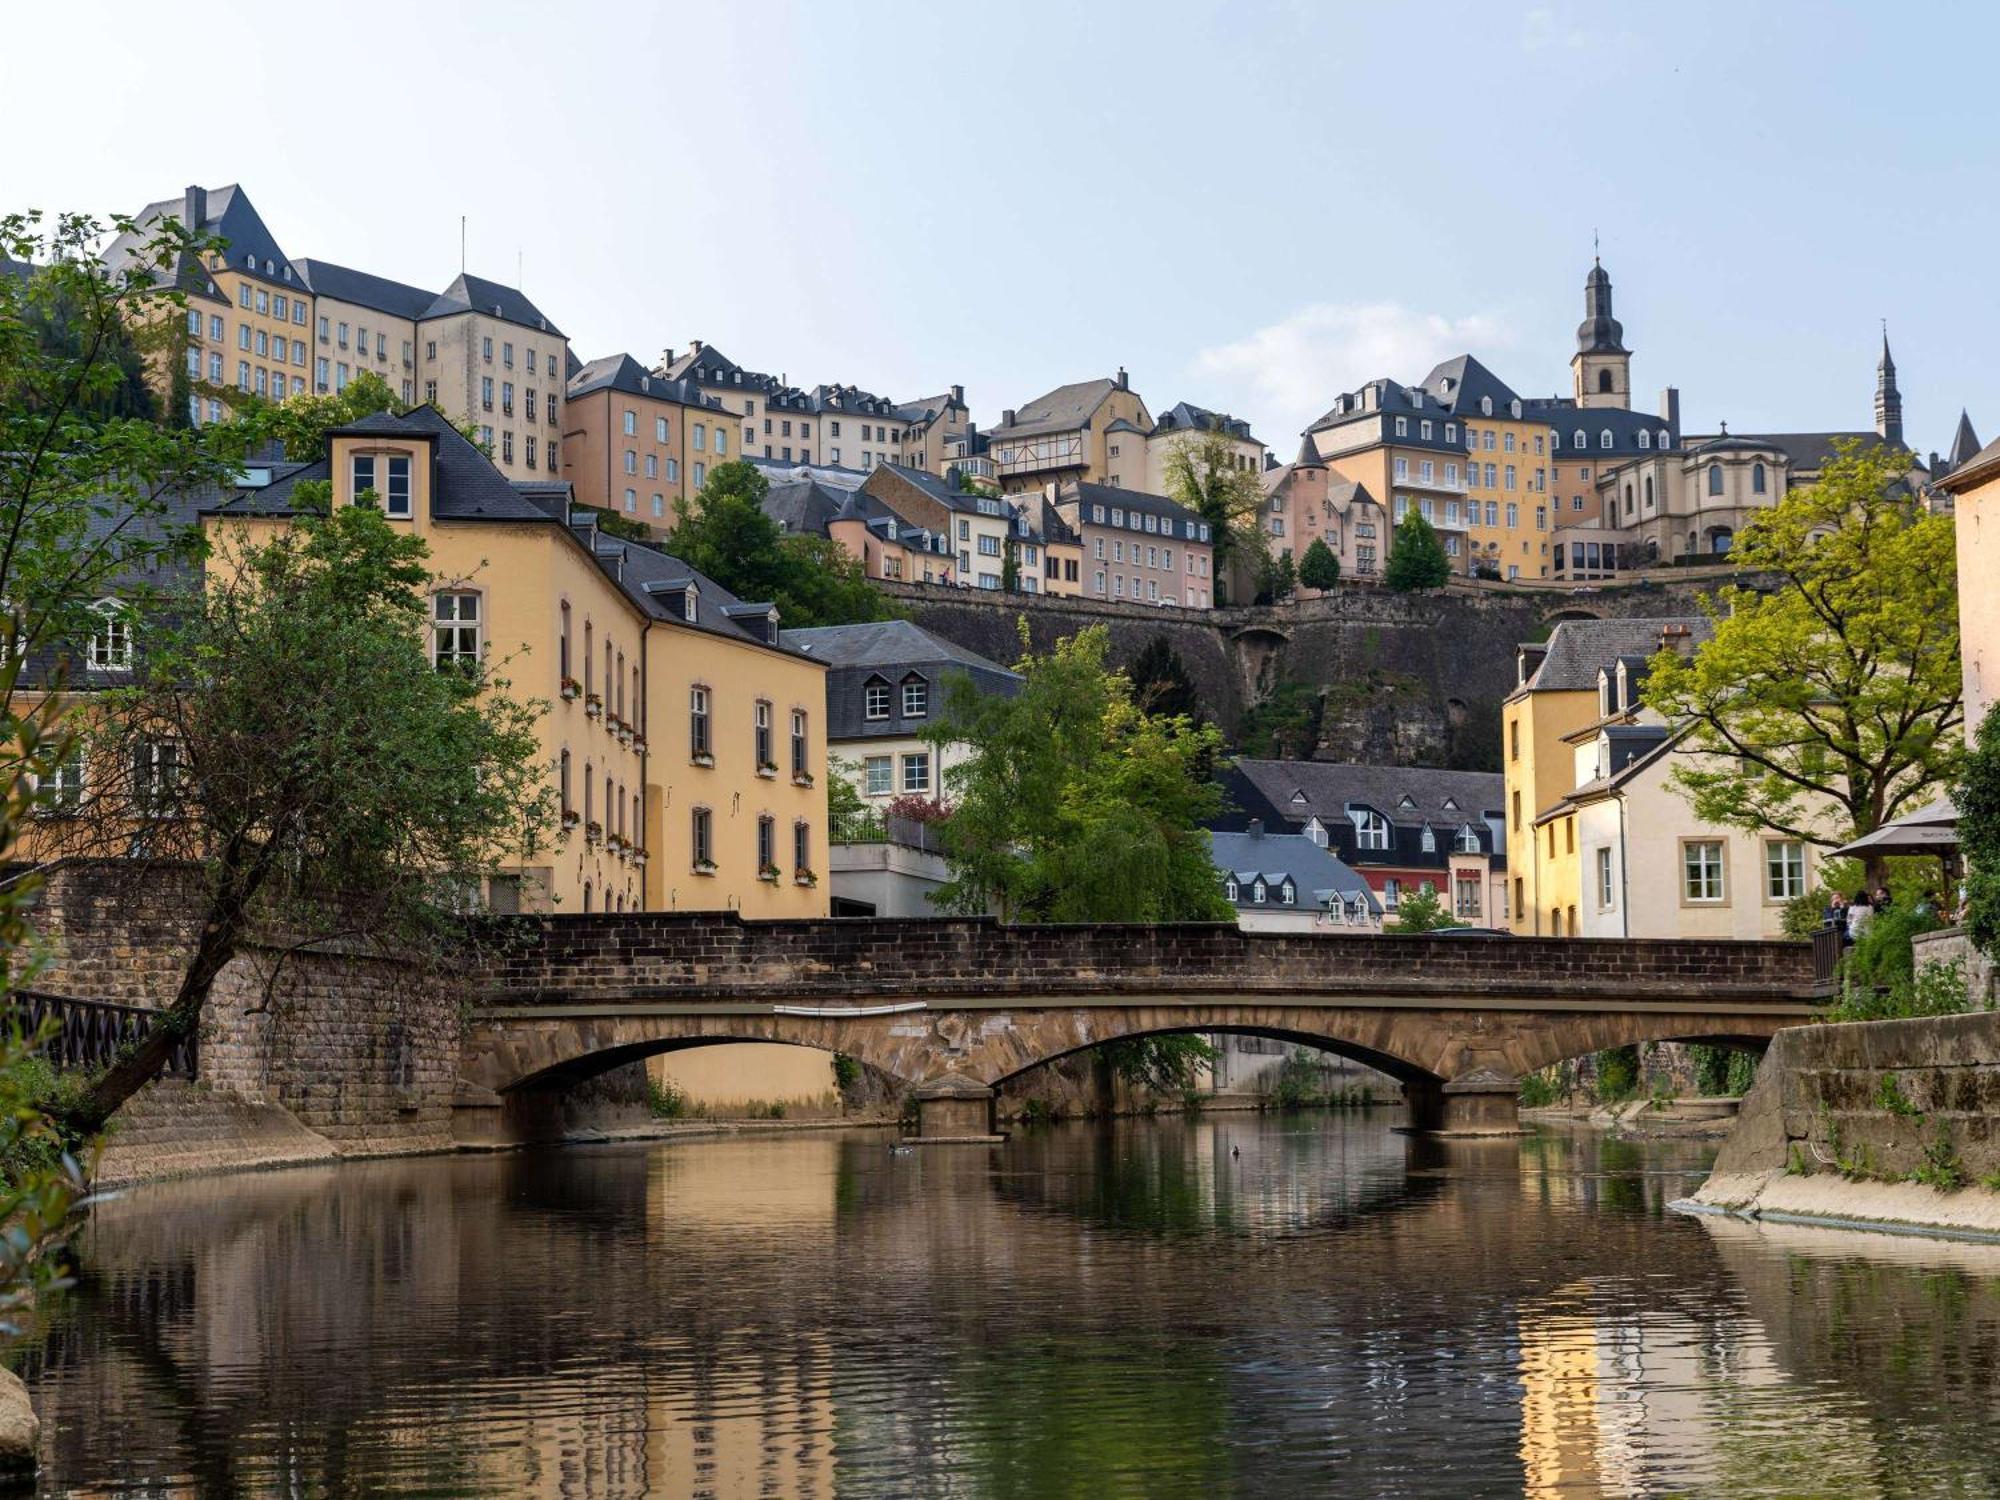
(1299, 1033)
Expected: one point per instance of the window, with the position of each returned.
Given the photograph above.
(1371, 829)
(455, 630)
(1467, 841)
(802, 847)
(1231, 891)
(156, 777)
(1756, 479)
(917, 772)
(363, 476)
(875, 700)
(62, 788)
(799, 766)
(1606, 891)
(698, 741)
(1430, 843)
(1465, 894)
(916, 698)
(1784, 869)
(763, 736)
(1715, 479)
(880, 776)
(111, 642)
(1392, 893)
(1701, 870)
(396, 502)
(703, 831)
(630, 423)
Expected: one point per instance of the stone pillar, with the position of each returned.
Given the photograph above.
(1481, 1102)
(955, 1110)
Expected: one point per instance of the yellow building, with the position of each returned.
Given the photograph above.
(1095, 431)
(1558, 695)
(687, 745)
(1974, 485)
(638, 443)
(249, 308)
(1406, 450)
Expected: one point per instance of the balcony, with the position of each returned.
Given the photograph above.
(1435, 486)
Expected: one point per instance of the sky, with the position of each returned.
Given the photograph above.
(1250, 204)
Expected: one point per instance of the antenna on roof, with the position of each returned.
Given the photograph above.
(461, 244)
(518, 283)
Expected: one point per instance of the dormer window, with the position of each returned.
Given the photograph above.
(1450, 804)
(1258, 892)
(1430, 840)
(1407, 803)
(1231, 890)
(1514, 406)
(916, 697)
(111, 641)
(1371, 829)
(1316, 831)
(1645, 439)
(690, 604)
(1287, 896)
(1485, 406)
(1468, 840)
(875, 699)
(1604, 438)
(1298, 799)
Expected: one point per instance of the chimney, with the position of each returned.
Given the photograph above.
(695, 346)
(1677, 637)
(1123, 383)
(1670, 413)
(958, 395)
(1007, 417)
(195, 206)
(1256, 828)
(667, 357)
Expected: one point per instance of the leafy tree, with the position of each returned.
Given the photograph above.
(1319, 569)
(1204, 474)
(1074, 805)
(1285, 726)
(1277, 577)
(1978, 799)
(1169, 1064)
(1416, 557)
(611, 523)
(849, 818)
(725, 533)
(238, 748)
(1010, 566)
(1831, 704)
(1422, 911)
(1160, 682)
(302, 422)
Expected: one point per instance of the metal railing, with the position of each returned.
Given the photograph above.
(1826, 948)
(90, 1034)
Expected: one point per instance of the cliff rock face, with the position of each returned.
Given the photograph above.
(1414, 679)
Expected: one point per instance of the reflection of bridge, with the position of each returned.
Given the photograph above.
(951, 1008)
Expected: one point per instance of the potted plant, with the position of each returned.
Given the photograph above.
(570, 688)
(702, 758)
(570, 819)
(767, 768)
(638, 742)
(804, 877)
(593, 833)
(802, 778)
(704, 867)
(593, 705)
(768, 873)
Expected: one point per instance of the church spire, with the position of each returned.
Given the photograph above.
(1888, 400)
(1602, 365)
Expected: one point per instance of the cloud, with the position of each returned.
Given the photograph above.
(1541, 31)
(1285, 375)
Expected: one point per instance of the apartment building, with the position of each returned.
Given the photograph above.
(1406, 448)
(1094, 431)
(1403, 829)
(887, 546)
(1138, 547)
(688, 745)
(638, 443)
(249, 308)
(1307, 502)
(1184, 422)
(487, 351)
(363, 323)
(982, 529)
(1974, 487)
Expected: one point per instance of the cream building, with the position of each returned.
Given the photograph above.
(363, 323)
(980, 529)
(1096, 431)
(1185, 423)
(1136, 547)
(1974, 485)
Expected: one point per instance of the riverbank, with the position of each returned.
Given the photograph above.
(1707, 1119)
(1884, 1125)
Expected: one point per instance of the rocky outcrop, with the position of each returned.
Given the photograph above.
(20, 1435)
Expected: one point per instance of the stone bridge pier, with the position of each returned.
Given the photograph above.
(953, 1008)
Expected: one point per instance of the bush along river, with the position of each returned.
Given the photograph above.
(1242, 1305)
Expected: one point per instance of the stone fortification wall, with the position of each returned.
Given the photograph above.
(359, 1047)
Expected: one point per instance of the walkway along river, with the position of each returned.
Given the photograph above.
(1311, 1304)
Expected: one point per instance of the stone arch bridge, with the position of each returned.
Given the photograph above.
(952, 1007)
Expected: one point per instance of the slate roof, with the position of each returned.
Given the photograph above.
(1438, 797)
(1975, 469)
(1812, 451)
(1578, 649)
(469, 293)
(923, 408)
(890, 651)
(1460, 384)
(1313, 872)
(1964, 443)
(803, 507)
(1392, 398)
(1185, 415)
(1565, 417)
(621, 372)
(229, 214)
(1130, 500)
(345, 284)
(1058, 410)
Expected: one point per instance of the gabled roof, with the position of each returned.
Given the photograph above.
(1131, 500)
(345, 284)
(1579, 648)
(1314, 872)
(621, 372)
(470, 293)
(251, 248)
(891, 651)
(1391, 397)
(1976, 470)
(1301, 789)
(804, 507)
(886, 643)
(1058, 410)
(1185, 416)
(923, 408)
(1461, 383)
(1964, 443)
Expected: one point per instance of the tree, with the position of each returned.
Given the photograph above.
(1204, 473)
(1422, 911)
(1978, 799)
(302, 422)
(1160, 682)
(725, 533)
(1277, 578)
(849, 818)
(1319, 569)
(1010, 566)
(1071, 804)
(1416, 557)
(1831, 704)
(285, 735)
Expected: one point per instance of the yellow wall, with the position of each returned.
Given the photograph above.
(733, 1078)
(390, 352)
(452, 363)
(1523, 545)
(1540, 770)
(1978, 520)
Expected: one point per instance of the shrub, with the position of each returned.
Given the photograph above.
(1540, 1090)
(666, 1101)
(1617, 1074)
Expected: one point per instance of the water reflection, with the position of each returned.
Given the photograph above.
(1230, 1305)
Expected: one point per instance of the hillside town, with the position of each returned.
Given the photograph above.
(433, 737)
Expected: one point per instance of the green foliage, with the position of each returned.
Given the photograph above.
(1073, 805)
(1977, 796)
(1422, 911)
(1795, 1162)
(1277, 578)
(1935, 990)
(1540, 1089)
(724, 533)
(1039, 1111)
(849, 817)
(1617, 1074)
(666, 1100)
(1300, 1082)
(1161, 684)
(1416, 557)
(1010, 566)
(846, 1072)
(1285, 726)
(1804, 914)
(1203, 474)
(1882, 957)
(268, 796)
(1832, 704)
(1942, 1167)
(1889, 1095)
(611, 523)
(1162, 1064)
(1319, 568)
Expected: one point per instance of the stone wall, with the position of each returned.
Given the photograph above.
(1844, 1118)
(360, 1047)
(1408, 678)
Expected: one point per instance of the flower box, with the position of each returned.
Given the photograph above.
(593, 705)
(704, 867)
(804, 877)
(639, 743)
(769, 873)
(570, 820)
(593, 833)
(767, 769)
(570, 688)
(802, 778)
(702, 758)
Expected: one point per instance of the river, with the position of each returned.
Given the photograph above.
(1238, 1305)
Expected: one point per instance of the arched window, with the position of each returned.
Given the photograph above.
(1628, 499)
(586, 895)
(111, 641)
(1715, 479)
(1720, 540)
(1579, 441)
(1649, 491)
(1756, 479)
(1665, 441)
(1468, 840)
(1371, 829)
(1485, 406)
(1645, 439)
(1430, 840)
(1604, 381)
(1604, 438)
(1257, 893)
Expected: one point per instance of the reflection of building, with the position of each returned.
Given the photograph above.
(1404, 829)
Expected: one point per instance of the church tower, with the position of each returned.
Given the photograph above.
(1888, 400)
(1602, 364)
